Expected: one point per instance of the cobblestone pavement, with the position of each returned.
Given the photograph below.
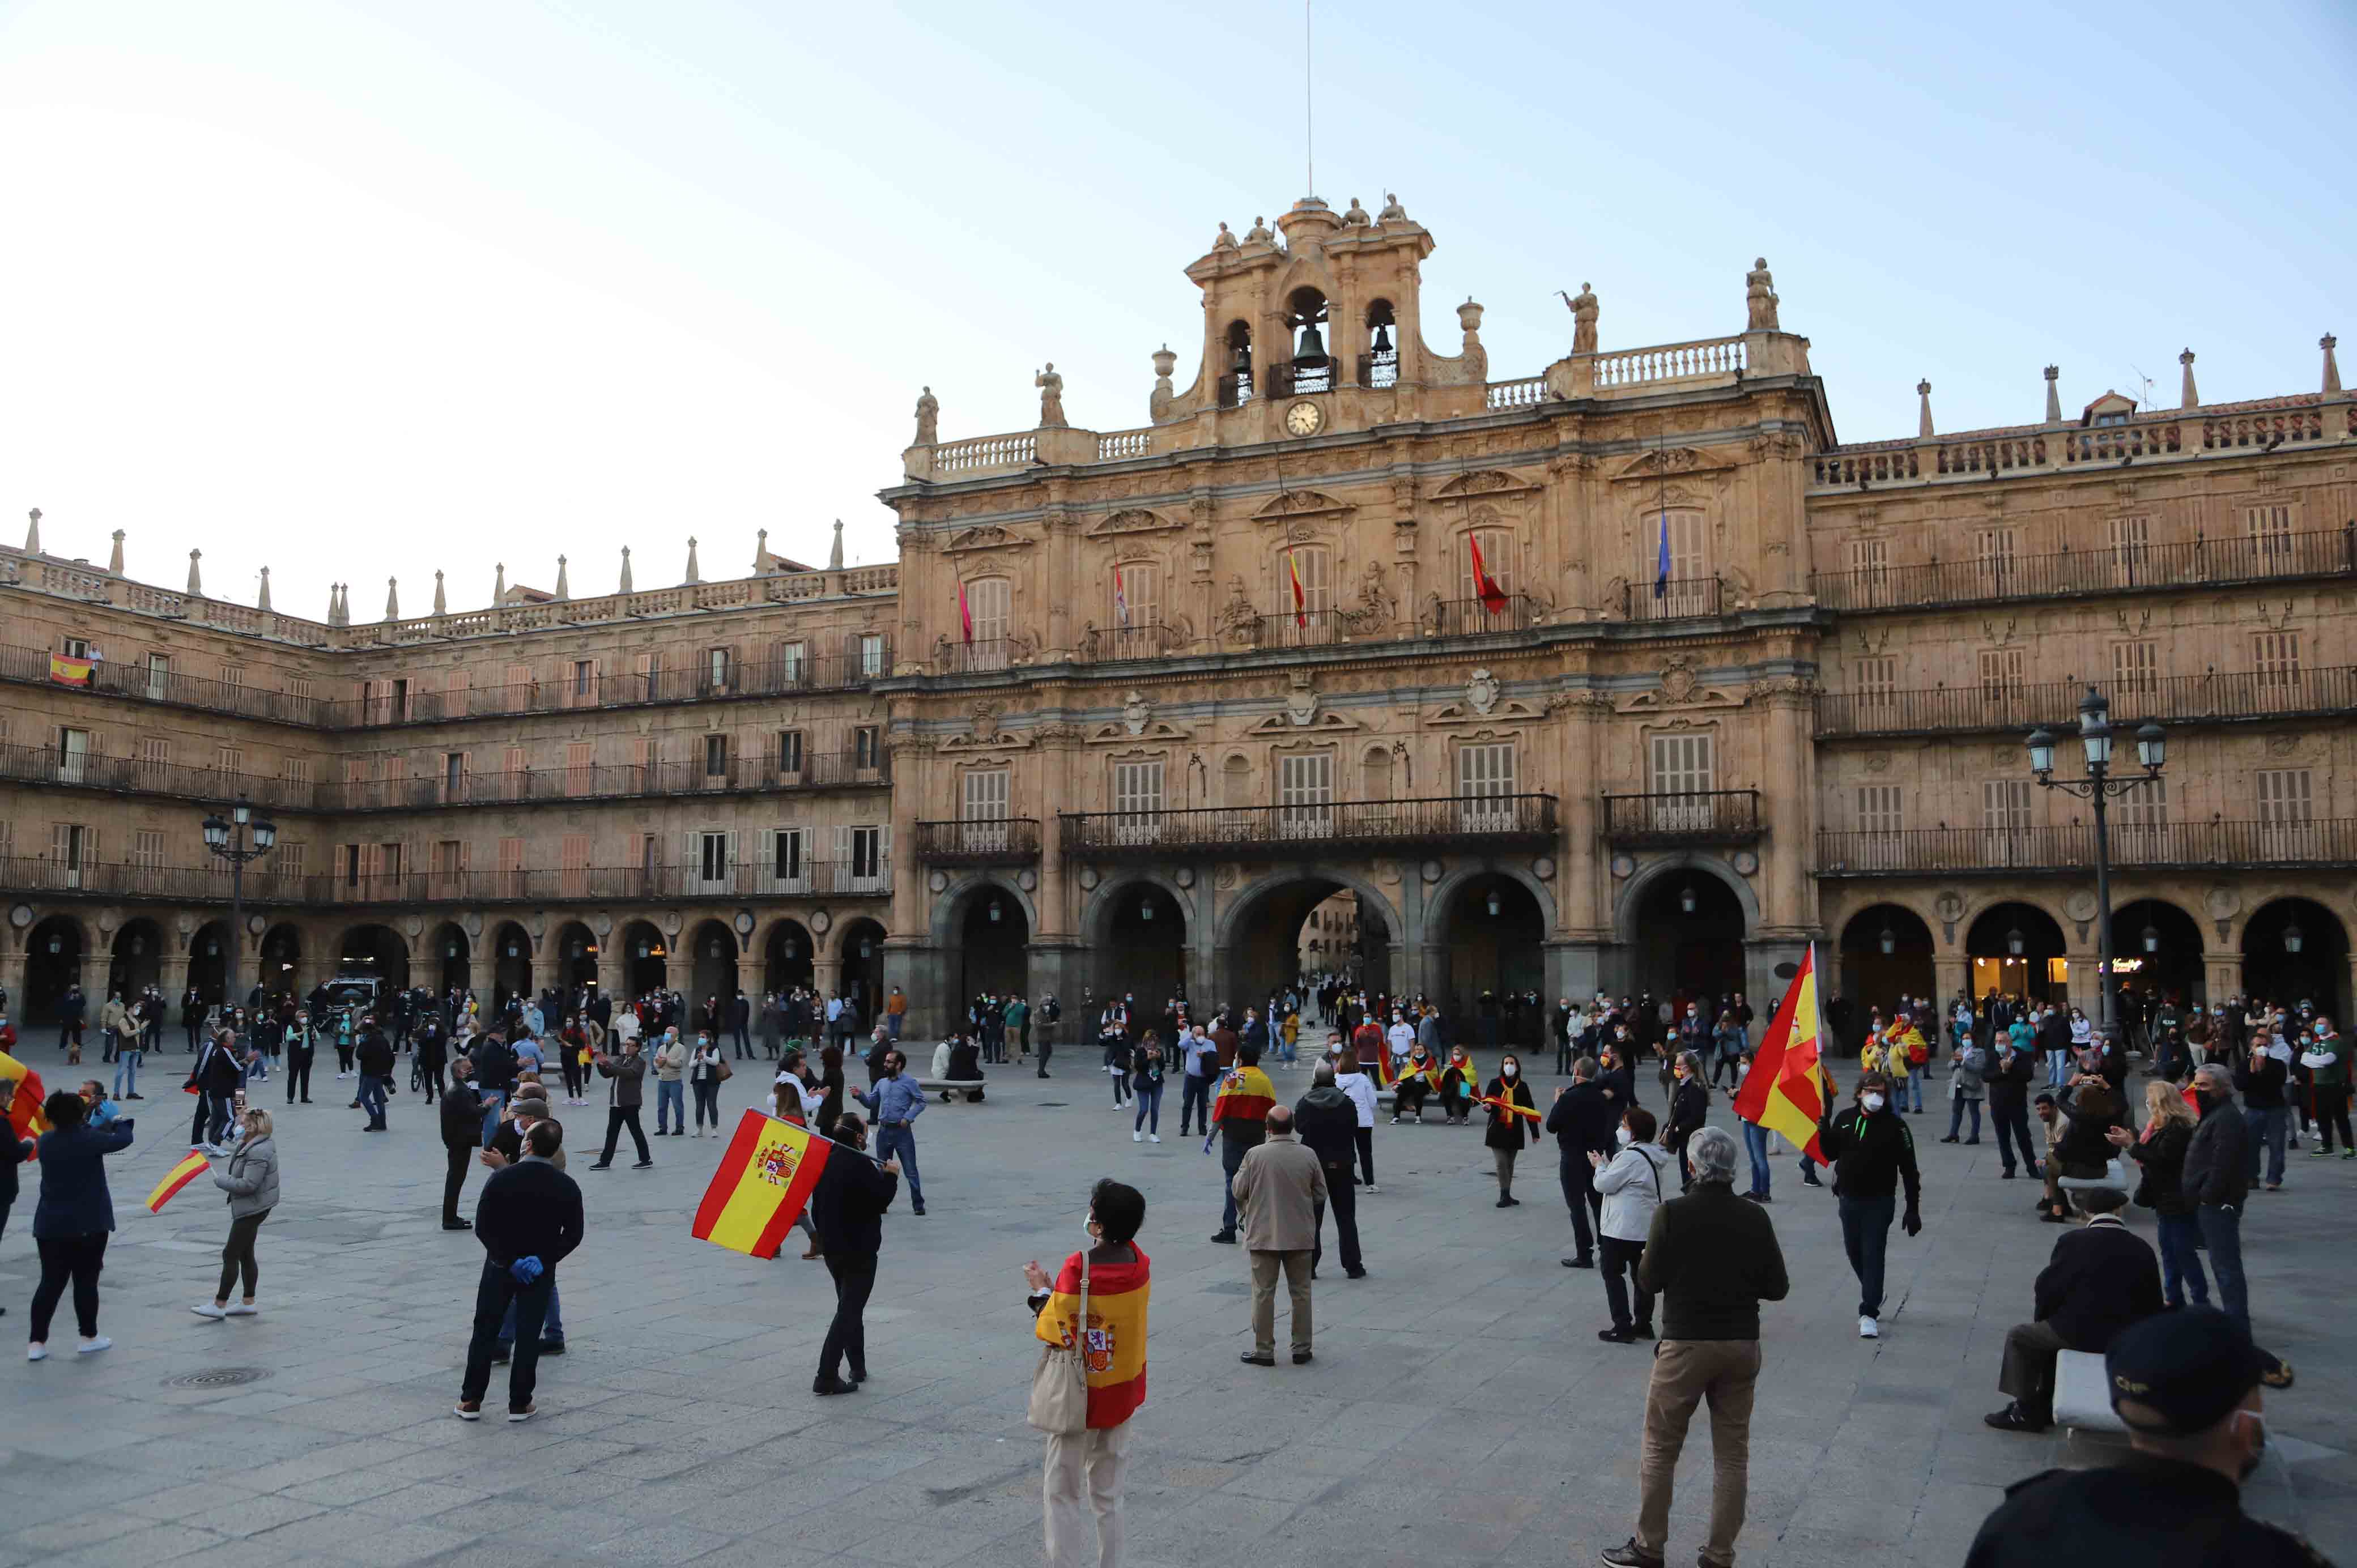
(1460, 1408)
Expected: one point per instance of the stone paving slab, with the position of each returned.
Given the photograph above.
(681, 1428)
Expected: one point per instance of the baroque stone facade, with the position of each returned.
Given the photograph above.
(1628, 674)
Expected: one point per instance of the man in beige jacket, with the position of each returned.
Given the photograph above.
(1279, 1188)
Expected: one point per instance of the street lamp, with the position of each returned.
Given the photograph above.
(1686, 898)
(2095, 734)
(229, 839)
(2152, 938)
(1889, 941)
(2293, 938)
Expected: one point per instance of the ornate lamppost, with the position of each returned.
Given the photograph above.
(228, 840)
(2099, 785)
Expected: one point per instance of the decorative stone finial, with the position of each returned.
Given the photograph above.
(1759, 298)
(262, 599)
(2331, 365)
(441, 599)
(391, 600)
(33, 534)
(333, 604)
(624, 585)
(196, 588)
(1923, 409)
(693, 574)
(2187, 397)
(2053, 396)
(1157, 406)
(563, 586)
(835, 550)
(499, 585)
(929, 418)
(114, 562)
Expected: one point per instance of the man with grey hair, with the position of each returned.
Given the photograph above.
(2216, 1180)
(1712, 1259)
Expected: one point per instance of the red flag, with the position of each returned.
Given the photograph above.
(1785, 1090)
(1300, 599)
(1485, 587)
(965, 616)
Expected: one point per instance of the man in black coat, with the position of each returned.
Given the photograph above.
(847, 1209)
(2007, 1077)
(530, 1214)
(2101, 1279)
(216, 1078)
(740, 1014)
(1328, 1124)
(372, 1054)
(2215, 1181)
(462, 1129)
(1582, 1119)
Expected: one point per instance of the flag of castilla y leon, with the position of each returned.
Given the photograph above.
(20, 1098)
(1784, 1090)
(764, 1179)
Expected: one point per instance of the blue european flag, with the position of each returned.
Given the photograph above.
(1662, 562)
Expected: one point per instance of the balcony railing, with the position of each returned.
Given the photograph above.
(80, 770)
(1472, 618)
(1106, 643)
(2233, 558)
(1688, 817)
(2217, 695)
(1329, 827)
(869, 877)
(1288, 377)
(1235, 390)
(136, 680)
(1675, 598)
(989, 841)
(2071, 847)
(1379, 369)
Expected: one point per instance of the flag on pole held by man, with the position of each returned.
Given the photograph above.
(1300, 599)
(1785, 1090)
(70, 671)
(178, 1176)
(20, 1098)
(1661, 561)
(965, 615)
(1485, 587)
(764, 1180)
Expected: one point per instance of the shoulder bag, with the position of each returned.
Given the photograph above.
(722, 1071)
(1059, 1385)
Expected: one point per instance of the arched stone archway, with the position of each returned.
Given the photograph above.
(2157, 950)
(137, 959)
(989, 929)
(1137, 928)
(575, 947)
(645, 961)
(449, 957)
(2294, 950)
(1686, 934)
(1259, 933)
(210, 947)
(711, 975)
(1490, 929)
(280, 965)
(860, 950)
(1886, 953)
(2015, 950)
(510, 964)
(54, 951)
(373, 953)
(787, 954)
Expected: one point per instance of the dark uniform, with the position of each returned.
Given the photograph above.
(2148, 1511)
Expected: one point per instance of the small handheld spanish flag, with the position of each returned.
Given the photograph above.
(176, 1178)
(20, 1098)
(1300, 599)
(764, 1180)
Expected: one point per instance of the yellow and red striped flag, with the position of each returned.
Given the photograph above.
(176, 1178)
(1300, 599)
(20, 1097)
(67, 670)
(764, 1179)
(1113, 1342)
(1783, 1090)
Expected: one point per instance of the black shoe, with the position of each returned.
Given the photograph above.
(1506, 1203)
(1251, 1359)
(1582, 1262)
(1631, 1556)
(1644, 1331)
(1354, 1274)
(457, 1225)
(1951, 1138)
(501, 1356)
(1970, 1141)
(2006, 1174)
(1617, 1336)
(860, 1376)
(1225, 1238)
(644, 1166)
(1811, 1181)
(919, 1210)
(602, 1165)
(1756, 1197)
(834, 1386)
(1299, 1357)
(2013, 1418)
(552, 1346)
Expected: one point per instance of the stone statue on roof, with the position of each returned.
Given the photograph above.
(1226, 241)
(1583, 318)
(1259, 234)
(929, 418)
(1392, 211)
(1051, 397)
(1759, 297)
(1355, 216)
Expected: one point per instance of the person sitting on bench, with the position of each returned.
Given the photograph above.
(2101, 1278)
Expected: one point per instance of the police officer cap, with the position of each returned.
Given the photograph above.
(2190, 1368)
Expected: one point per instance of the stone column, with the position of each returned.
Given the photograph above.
(752, 980)
(1954, 973)
(12, 970)
(1789, 906)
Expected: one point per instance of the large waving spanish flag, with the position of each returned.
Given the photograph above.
(178, 1176)
(1113, 1341)
(1782, 1091)
(20, 1098)
(764, 1179)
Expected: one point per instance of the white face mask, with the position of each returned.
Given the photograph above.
(1088, 1228)
(1872, 1102)
(1624, 1134)
(1510, 1069)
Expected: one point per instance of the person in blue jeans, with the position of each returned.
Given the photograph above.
(2215, 1184)
(1872, 1153)
(2266, 1114)
(1146, 1084)
(1755, 1145)
(896, 1102)
(2168, 1131)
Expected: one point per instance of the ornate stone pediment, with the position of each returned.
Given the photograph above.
(1512, 711)
(1680, 690)
(1289, 505)
(1667, 461)
(985, 536)
(1482, 484)
(987, 733)
(1134, 520)
(1154, 729)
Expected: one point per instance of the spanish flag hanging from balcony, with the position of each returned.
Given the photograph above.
(176, 1178)
(1485, 587)
(67, 670)
(1784, 1091)
(1300, 599)
(965, 615)
(1120, 600)
(764, 1179)
(20, 1097)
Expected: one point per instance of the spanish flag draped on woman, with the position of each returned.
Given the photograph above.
(1113, 1342)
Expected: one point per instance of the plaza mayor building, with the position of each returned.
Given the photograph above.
(1625, 672)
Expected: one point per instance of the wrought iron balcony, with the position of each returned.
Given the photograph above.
(2070, 848)
(1678, 597)
(2006, 708)
(1282, 832)
(2232, 558)
(266, 885)
(990, 841)
(1139, 641)
(1688, 817)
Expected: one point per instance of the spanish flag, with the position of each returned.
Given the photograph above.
(1485, 587)
(68, 672)
(1783, 1091)
(764, 1179)
(1113, 1341)
(176, 1178)
(20, 1097)
(1506, 1101)
(1429, 1071)
(1245, 1095)
(965, 615)
(1300, 599)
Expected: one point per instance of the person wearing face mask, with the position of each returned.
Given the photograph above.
(1460, 1083)
(1090, 1463)
(1689, 1108)
(2215, 1179)
(1631, 1189)
(897, 1102)
(2190, 1386)
(1514, 1121)
(1871, 1152)
(847, 1208)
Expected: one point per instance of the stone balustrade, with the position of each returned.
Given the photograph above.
(1523, 394)
(1669, 362)
(1118, 444)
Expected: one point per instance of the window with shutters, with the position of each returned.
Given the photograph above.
(1875, 683)
(643, 757)
(871, 655)
(991, 602)
(790, 751)
(449, 864)
(511, 873)
(74, 751)
(453, 774)
(297, 771)
(1315, 564)
(1137, 610)
(707, 860)
(789, 860)
(1881, 809)
(716, 757)
(1683, 773)
(1497, 558)
(646, 859)
(290, 858)
(1138, 801)
(647, 674)
(2136, 666)
(2139, 820)
(396, 778)
(1869, 571)
(147, 848)
(1485, 781)
(793, 664)
(233, 676)
(2286, 802)
(299, 688)
(514, 781)
(351, 856)
(578, 777)
(73, 850)
(155, 761)
(2005, 821)
(2275, 655)
(867, 748)
(515, 694)
(573, 867)
(159, 675)
(1995, 552)
(2131, 548)
(389, 859)
(585, 680)
(2270, 536)
(715, 670)
(2004, 670)
(1304, 795)
(1691, 590)
(864, 862)
(984, 805)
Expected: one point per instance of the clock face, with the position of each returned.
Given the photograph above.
(1304, 418)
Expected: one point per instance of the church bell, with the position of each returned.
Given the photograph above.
(1383, 338)
(1311, 350)
(1242, 360)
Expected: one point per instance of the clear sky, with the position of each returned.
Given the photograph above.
(366, 290)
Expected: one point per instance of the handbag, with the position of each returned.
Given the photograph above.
(1060, 1384)
(725, 1071)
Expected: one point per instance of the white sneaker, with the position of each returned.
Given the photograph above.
(37, 1352)
(239, 1309)
(1154, 1138)
(1136, 1137)
(92, 1346)
(1867, 1328)
(207, 1309)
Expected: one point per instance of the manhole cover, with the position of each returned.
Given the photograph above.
(218, 1378)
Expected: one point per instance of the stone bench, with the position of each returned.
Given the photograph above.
(950, 1088)
(2083, 1394)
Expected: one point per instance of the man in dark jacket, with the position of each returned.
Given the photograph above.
(2215, 1182)
(1712, 1259)
(847, 1212)
(462, 1125)
(2261, 1079)
(2007, 1077)
(302, 1047)
(1872, 1152)
(2101, 1278)
(1582, 1119)
(1329, 1125)
(216, 1078)
(372, 1054)
(529, 1220)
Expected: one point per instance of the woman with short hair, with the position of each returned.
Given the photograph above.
(251, 1179)
(73, 1217)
